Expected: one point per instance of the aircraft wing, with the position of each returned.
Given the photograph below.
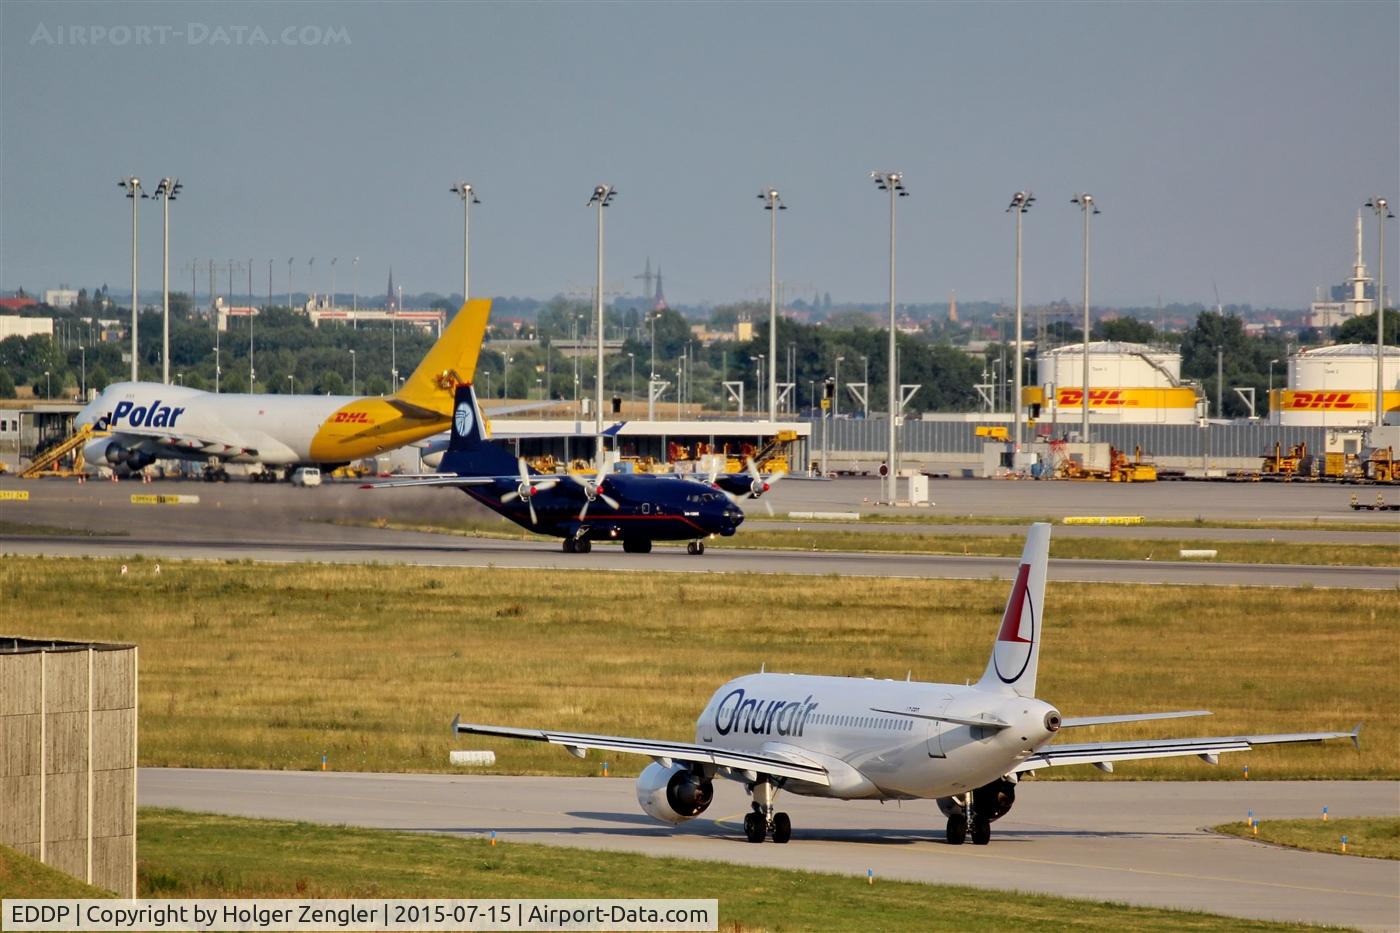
(434, 479)
(578, 742)
(190, 443)
(1105, 753)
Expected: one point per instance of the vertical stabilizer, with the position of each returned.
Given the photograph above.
(1017, 649)
(469, 453)
(450, 361)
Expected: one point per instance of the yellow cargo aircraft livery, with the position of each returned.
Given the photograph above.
(148, 421)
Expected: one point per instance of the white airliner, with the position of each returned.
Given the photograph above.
(861, 739)
(148, 421)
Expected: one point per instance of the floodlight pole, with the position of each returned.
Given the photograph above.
(132, 185)
(167, 191)
(1382, 210)
(1020, 203)
(468, 195)
(774, 203)
(893, 182)
(602, 197)
(1087, 205)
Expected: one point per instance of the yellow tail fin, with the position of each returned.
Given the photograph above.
(450, 361)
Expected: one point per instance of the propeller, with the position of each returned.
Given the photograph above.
(593, 488)
(758, 485)
(527, 489)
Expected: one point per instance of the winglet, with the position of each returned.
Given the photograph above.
(1356, 736)
(455, 720)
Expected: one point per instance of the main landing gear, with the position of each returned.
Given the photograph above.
(972, 813)
(695, 547)
(577, 545)
(636, 546)
(763, 821)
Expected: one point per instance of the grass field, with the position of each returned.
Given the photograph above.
(22, 876)
(270, 666)
(1021, 521)
(1368, 837)
(30, 528)
(815, 538)
(197, 855)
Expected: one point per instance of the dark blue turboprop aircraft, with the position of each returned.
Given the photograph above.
(635, 509)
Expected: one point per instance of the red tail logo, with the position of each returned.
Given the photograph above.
(1012, 652)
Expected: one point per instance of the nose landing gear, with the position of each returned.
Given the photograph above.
(763, 821)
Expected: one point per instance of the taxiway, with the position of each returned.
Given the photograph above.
(1134, 842)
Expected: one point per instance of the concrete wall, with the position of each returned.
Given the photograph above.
(68, 758)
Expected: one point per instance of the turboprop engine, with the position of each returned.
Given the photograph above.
(674, 794)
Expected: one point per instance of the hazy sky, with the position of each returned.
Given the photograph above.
(1228, 144)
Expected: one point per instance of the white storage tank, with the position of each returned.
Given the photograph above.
(1130, 383)
(1336, 386)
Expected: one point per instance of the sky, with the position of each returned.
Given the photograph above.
(1229, 145)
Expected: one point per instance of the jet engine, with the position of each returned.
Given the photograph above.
(674, 794)
(104, 450)
(990, 802)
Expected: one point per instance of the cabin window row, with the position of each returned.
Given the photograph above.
(864, 722)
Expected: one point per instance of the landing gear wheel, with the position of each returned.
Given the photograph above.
(957, 829)
(583, 546)
(695, 547)
(754, 830)
(782, 828)
(636, 546)
(570, 546)
(981, 832)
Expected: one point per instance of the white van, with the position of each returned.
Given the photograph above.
(306, 476)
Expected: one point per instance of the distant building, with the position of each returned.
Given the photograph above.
(61, 297)
(14, 326)
(224, 312)
(1357, 296)
(17, 302)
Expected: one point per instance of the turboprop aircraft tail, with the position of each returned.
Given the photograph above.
(448, 363)
(469, 452)
(1017, 649)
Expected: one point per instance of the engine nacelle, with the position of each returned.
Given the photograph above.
(110, 452)
(674, 794)
(990, 801)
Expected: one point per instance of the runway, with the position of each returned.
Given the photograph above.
(1136, 842)
(423, 550)
(279, 524)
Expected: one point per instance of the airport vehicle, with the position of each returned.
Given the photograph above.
(635, 509)
(306, 476)
(861, 739)
(150, 421)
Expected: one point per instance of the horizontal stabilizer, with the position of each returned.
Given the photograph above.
(1095, 753)
(1073, 722)
(985, 721)
(410, 410)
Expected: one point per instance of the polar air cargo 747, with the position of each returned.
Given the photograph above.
(150, 421)
(862, 739)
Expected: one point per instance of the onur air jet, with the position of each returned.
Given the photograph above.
(859, 739)
(151, 421)
(635, 509)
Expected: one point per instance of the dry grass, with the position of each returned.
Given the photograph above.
(246, 665)
(200, 855)
(1367, 837)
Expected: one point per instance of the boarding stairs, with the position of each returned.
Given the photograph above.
(50, 462)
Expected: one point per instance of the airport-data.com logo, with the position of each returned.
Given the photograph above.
(198, 34)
